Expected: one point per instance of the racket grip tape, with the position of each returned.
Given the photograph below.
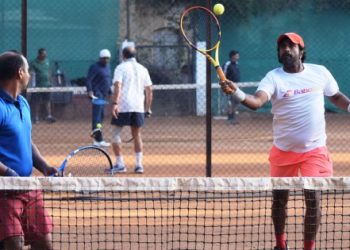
(222, 78)
(220, 73)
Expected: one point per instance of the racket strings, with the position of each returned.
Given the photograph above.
(88, 162)
(195, 24)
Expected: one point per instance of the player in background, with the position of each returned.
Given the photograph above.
(233, 73)
(131, 102)
(296, 91)
(98, 84)
(40, 68)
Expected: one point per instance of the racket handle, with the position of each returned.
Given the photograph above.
(222, 77)
(220, 73)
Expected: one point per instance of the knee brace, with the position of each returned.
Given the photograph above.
(116, 131)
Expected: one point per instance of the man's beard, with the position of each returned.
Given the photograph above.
(23, 86)
(288, 60)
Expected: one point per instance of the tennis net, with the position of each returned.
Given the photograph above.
(183, 213)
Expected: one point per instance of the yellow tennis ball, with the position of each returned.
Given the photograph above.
(218, 9)
(98, 125)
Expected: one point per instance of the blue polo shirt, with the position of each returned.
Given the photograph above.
(15, 134)
(99, 80)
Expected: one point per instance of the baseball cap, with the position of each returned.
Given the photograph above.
(105, 53)
(127, 43)
(294, 37)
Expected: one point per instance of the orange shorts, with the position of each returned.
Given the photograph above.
(315, 163)
(23, 214)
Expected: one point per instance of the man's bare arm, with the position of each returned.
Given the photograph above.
(253, 102)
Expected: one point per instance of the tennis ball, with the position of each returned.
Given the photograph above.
(98, 125)
(218, 9)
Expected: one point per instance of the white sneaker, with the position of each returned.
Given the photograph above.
(101, 143)
(116, 169)
(139, 169)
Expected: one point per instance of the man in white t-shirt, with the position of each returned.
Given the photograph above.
(296, 91)
(132, 83)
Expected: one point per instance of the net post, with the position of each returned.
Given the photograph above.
(24, 27)
(208, 103)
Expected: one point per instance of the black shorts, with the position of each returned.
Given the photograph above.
(134, 119)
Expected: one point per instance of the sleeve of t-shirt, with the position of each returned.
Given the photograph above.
(90, 76)
(331, 87)
(267, 85)
(2, 108)
(225, 66)
(147, 79)
(118, 75)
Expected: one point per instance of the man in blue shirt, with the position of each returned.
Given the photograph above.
(18, 155)
(98, 84)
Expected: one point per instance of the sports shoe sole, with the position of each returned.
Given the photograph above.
(139, 171)
(115, 171)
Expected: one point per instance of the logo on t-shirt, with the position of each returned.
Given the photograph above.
(292, 92)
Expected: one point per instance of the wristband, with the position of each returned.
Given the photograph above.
(10, 172)
(239, 94)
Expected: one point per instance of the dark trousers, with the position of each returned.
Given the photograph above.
(97, 115)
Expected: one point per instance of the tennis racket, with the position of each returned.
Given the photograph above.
(85, 161)
(126, 135)
(193, 28)
(127, 139)
(98, 101)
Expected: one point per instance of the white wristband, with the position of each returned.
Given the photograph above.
(240, 95)
(348, 108)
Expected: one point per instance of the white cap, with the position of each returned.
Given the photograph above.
(127, 43)
(105, 53)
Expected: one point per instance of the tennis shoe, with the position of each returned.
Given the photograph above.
(116, 169)
(50, 119)
(101, 143)
(139, 169)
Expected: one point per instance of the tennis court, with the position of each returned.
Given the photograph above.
(176, 146)
(172, 205)
(198, 213)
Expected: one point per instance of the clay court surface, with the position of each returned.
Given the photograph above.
(176, 146)
(187, 220)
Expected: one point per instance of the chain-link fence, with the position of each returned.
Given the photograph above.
(178, 138)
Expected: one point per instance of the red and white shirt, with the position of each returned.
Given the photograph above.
(298, 106)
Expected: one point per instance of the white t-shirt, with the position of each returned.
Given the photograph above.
(134, 78)
(298, 106)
